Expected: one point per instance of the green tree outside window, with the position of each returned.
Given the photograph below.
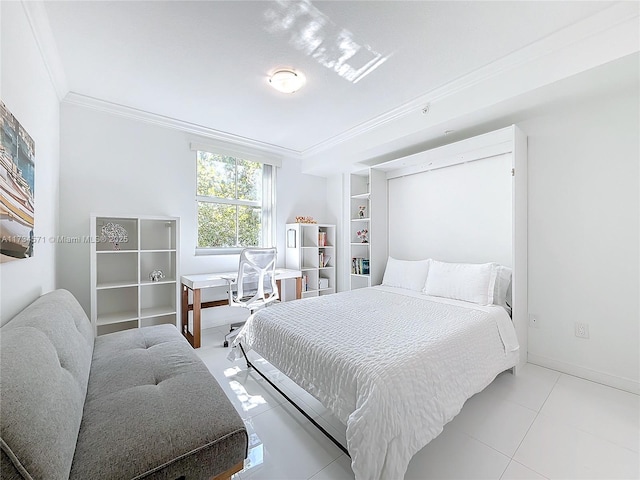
(229, 194)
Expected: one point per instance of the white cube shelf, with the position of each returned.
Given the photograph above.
(123, 296)
(311, 248)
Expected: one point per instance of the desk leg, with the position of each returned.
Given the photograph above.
(196, 318)
(184, 308)
(184, 323)
(298, 287)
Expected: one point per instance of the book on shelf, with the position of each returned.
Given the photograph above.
(323, 259)
(360, 266)
(322, 239)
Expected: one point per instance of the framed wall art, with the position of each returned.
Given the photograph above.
(17, 182)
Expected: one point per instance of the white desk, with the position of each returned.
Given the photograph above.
(208, 280)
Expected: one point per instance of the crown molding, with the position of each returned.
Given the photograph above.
(73, 98)
(41, 29)
(607, 25)
(606, 21)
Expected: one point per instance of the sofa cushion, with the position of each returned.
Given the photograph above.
(153, 410)
(45, 353)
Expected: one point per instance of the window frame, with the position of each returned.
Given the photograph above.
(267, 205)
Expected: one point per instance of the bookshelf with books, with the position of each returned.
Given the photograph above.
(359, 266)
(367, 227)
(310, 247)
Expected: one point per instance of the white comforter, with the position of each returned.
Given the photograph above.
(393, 365)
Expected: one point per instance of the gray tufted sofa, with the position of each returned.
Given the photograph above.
(137, 404)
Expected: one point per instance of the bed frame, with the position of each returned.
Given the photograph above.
(288, 399)
(292, 402)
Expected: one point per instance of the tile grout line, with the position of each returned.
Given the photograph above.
(327, 466)
(525, 466)
(494, 449)
(577, 427)
(529, 429)
(501, 398)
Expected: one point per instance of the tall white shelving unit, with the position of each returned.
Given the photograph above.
(122, 294)
(311, 248)
(368, 189)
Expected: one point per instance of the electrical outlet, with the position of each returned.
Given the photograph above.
(582, 330)
(534, 321)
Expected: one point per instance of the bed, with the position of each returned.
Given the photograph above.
(393, 364)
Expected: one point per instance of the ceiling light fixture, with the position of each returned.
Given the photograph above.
(287, 81)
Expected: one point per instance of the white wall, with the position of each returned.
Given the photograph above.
(27, 91)
(584, 237)
(299, 195)
(119, 166)
(461, 213)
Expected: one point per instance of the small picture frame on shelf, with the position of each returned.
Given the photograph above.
(291, 238)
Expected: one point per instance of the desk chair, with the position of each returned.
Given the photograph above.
(255, 283)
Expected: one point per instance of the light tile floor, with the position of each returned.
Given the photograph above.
(536, 425)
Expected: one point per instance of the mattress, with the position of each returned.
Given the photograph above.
(393, 365)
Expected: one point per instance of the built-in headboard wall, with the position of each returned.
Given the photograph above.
(461, 213)
(465, 202)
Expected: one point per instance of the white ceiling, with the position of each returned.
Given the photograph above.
(205, 63)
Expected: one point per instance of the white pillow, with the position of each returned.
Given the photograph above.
(501, 293)
(409, 274)
(462, 281)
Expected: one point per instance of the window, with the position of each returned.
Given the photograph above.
(235, 204)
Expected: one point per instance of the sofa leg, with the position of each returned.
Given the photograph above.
(227, 475)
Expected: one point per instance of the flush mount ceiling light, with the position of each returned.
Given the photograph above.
(287, 81)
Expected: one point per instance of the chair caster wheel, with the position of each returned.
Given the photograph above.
(225, 344)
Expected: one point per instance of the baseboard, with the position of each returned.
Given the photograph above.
(620, 383)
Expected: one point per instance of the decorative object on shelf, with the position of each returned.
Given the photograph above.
(115, 233)
(305, 220)
(361, 210)
(156, 276)
(362, 235)
(291, 238)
